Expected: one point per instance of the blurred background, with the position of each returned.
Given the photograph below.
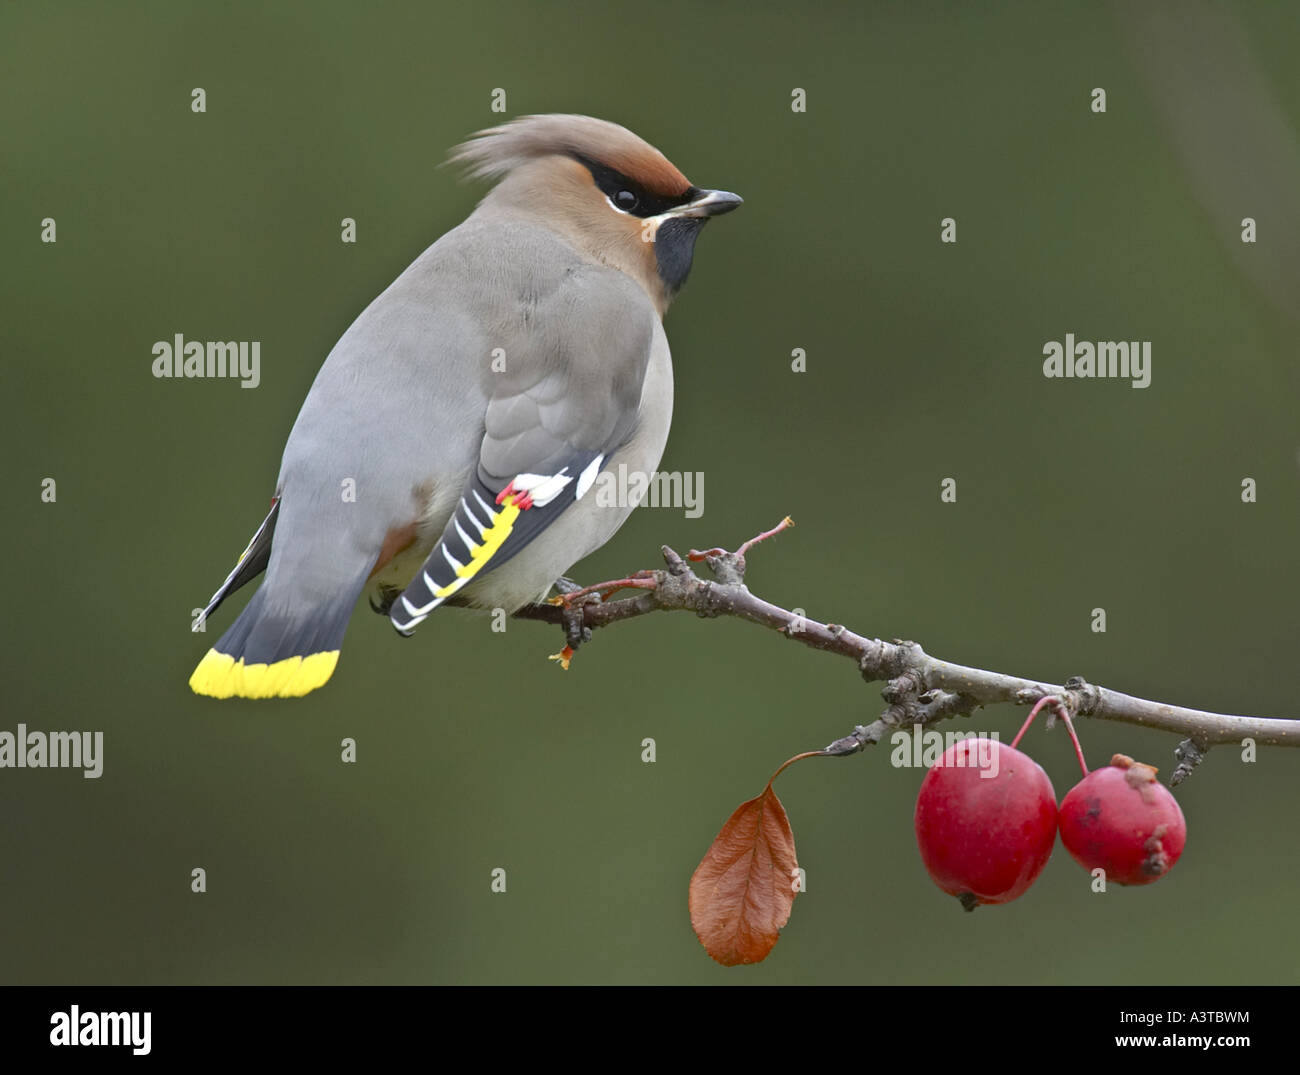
(923, 362)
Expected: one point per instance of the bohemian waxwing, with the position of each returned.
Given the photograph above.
(471, 406)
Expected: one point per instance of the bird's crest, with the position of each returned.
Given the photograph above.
(492, 153)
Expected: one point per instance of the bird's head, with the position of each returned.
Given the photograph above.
(610, 193)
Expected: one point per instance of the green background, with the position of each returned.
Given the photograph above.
(924, 362)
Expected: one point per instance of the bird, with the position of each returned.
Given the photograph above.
(447, 448)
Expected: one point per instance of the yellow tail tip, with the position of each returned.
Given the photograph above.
(220, 675)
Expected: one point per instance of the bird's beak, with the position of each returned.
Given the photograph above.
(708, 203)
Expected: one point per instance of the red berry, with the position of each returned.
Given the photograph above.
(1120, 819)
(985, 821)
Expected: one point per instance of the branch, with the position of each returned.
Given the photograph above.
(920, 689)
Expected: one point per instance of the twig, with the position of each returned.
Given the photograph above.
(920, 689)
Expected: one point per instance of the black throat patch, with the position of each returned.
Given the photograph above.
(675, 248)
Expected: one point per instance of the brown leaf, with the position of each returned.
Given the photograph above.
(743, 888)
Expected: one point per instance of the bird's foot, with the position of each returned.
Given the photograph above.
(573, 597)
(564, 657)
(388, 595)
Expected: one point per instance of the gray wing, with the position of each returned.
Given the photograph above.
(563, 396)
